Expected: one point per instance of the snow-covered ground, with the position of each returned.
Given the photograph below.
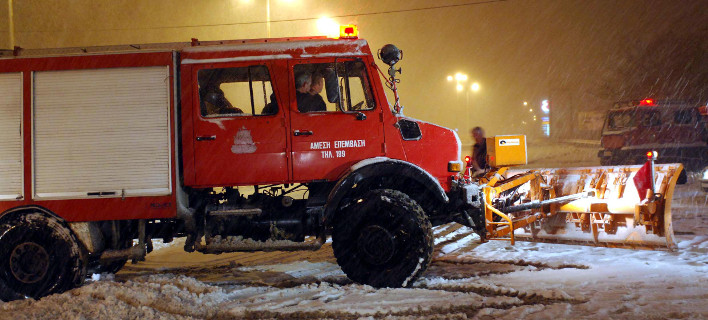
(466, 279)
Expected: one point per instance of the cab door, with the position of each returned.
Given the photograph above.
(239, 131)
(325, 143)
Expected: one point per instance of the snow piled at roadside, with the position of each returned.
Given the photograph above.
(148, 297)
(180, 297)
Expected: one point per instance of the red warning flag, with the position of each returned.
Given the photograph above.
(642, 180)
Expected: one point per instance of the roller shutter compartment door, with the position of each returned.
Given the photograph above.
(101, 132)
(10, 136)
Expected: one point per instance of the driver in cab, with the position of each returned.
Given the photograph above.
(308, 88)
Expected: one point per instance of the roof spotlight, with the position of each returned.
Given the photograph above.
(390, 54)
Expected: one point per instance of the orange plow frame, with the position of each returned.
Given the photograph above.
(609, 213)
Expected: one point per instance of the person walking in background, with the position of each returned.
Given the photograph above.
(479, 151)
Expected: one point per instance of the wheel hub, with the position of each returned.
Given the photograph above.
(376, 244)
(29, 262)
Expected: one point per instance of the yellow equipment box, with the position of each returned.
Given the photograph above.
(506, 151)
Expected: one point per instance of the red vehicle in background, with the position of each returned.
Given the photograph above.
(677, 130)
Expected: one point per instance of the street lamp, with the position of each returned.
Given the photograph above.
(328, 27)
(11, 24)
(268, 16)
(460, 79)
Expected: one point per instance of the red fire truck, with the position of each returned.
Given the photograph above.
(206, 140)
(678, 130)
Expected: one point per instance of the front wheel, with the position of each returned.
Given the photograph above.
(40, 256)
(383, 239)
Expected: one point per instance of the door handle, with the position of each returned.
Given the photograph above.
(302, 133)
(206, 138)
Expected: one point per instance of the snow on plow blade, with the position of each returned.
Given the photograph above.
(597, 206)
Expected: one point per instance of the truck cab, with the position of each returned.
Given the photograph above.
(267, 137)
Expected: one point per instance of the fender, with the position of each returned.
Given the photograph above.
(30, 208)
(87, 233)
(381, 167)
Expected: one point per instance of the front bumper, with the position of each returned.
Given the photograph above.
(472, 195)
(637, 155)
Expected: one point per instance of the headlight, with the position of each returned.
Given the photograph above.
(454, 166)
(705, 173)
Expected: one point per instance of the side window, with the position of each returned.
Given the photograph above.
(651, 119)
(620, 120)
(341, 86)
(356, 93)
(242, 91)
(683, 116)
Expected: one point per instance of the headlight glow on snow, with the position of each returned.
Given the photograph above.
(705, 173)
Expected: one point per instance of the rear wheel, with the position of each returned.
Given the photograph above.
(40, 257)
(383, 239)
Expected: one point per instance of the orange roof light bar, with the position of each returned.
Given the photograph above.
(348, 31)
(647, 102)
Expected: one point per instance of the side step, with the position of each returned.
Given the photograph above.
(234, 211)
(218, 244)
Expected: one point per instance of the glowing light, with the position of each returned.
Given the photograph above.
(530, 110)
(545, 106)
(328, 27)
(449, 78)
(647, 102)
(475, 87)
(460, 77)
(526, 103)
(459, 87)
(348, 31)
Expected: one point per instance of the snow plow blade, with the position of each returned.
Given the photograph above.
(596, 206)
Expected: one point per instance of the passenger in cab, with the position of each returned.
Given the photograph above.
(315, 102)
(303, 82)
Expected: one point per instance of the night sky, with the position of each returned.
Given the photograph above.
(517, 50)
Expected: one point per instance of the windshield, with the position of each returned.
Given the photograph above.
(621, 120)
